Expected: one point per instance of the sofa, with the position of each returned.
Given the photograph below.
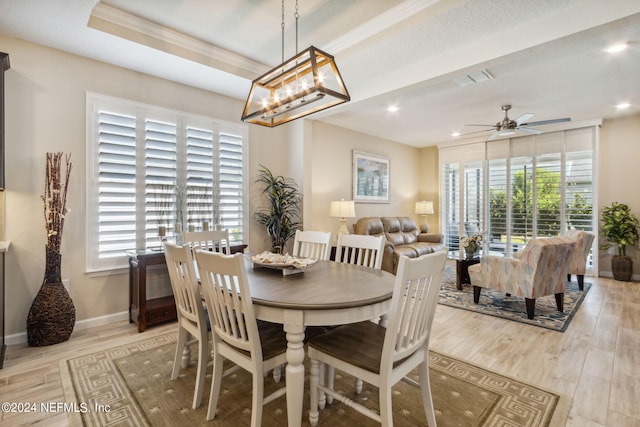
(403, 238)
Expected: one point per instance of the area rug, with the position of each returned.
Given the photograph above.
(497, 304)
(133, 382)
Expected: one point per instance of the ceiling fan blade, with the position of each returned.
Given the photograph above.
(546, 122)
(529, 131)
(493, 136)
(474, 132)
(489, 126)
(523, 118)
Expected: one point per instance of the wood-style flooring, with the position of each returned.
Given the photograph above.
(596, 361)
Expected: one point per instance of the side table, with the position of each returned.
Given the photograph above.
(145, 312)
(462, 267)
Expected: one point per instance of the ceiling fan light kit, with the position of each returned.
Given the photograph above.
(508, 127)
(305, 84)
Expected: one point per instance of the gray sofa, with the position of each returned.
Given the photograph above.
(403, 238)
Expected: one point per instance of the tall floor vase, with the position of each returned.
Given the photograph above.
(52, 315)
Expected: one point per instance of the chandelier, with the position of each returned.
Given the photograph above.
(304, 84)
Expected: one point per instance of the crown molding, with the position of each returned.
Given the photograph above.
(131, 27)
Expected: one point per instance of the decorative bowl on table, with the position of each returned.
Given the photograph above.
(288, 264)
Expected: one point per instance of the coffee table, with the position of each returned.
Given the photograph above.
(462, 266)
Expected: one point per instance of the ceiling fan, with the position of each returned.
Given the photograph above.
(508, 127)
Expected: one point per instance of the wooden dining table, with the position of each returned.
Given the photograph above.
(328, 293)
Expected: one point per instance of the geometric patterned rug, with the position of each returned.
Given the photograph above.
(133, 382)
(497, 304)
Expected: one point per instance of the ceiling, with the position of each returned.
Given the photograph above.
(546, 56)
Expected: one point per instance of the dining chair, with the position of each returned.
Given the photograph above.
(363, 250)
(312, 244)
(360, 249)
(253, 345)
(192, 320)
(211, 240)
(383, 356)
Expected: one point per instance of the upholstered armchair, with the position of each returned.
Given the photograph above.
(538, 270)
(578, 263)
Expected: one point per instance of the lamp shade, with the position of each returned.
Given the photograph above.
(342, 209)
(424, 208)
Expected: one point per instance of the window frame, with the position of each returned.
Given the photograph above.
(565, 147)
(183, 120)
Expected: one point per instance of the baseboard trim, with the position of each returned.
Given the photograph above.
(21, 337)
(634, 277)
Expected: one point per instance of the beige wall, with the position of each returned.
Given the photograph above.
(45, 111)
(331, 174)
(619, 176)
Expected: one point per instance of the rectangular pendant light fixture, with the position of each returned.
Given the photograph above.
(305, 84)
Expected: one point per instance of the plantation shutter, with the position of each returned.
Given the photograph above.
(232, 185)
(159, 178)
(152, 167)
(116, 176)
(201, 190)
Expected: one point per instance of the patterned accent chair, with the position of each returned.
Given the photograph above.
(584, 241)
(538, 270)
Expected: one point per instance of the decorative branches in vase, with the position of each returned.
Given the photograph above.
(52, 315)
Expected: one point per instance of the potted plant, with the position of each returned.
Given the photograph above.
(620, 228)
(281, 217)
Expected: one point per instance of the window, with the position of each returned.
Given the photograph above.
(149, 167)
(536, 186)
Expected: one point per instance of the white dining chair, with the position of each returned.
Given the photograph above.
(211, 240)
(192, 320)
(360, 249)
(312, 244)
(256, 346)
(383, 356)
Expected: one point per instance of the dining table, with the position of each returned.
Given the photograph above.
(326, 294)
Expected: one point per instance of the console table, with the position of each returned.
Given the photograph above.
(142, 311)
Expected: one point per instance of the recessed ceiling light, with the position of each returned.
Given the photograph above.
(392, 108)
(618, 47)
(623, 105)
(455, 134)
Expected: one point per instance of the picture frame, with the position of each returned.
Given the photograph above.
(370, 178)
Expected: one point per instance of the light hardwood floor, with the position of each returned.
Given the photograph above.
(596, 361)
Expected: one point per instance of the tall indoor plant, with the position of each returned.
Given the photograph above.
(620, 227)
(281, 218)
(52, 315)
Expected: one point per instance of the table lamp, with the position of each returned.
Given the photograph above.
(343, 209)
(423, 209)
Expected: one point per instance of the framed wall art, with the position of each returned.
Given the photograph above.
(370, 178)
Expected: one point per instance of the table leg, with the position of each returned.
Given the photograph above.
(459, 274)
(294, 327)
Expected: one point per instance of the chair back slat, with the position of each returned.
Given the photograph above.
(184, 282)
(227, 295)
(360, 249)
(413, 305)
(211, 240)
(312, 244)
